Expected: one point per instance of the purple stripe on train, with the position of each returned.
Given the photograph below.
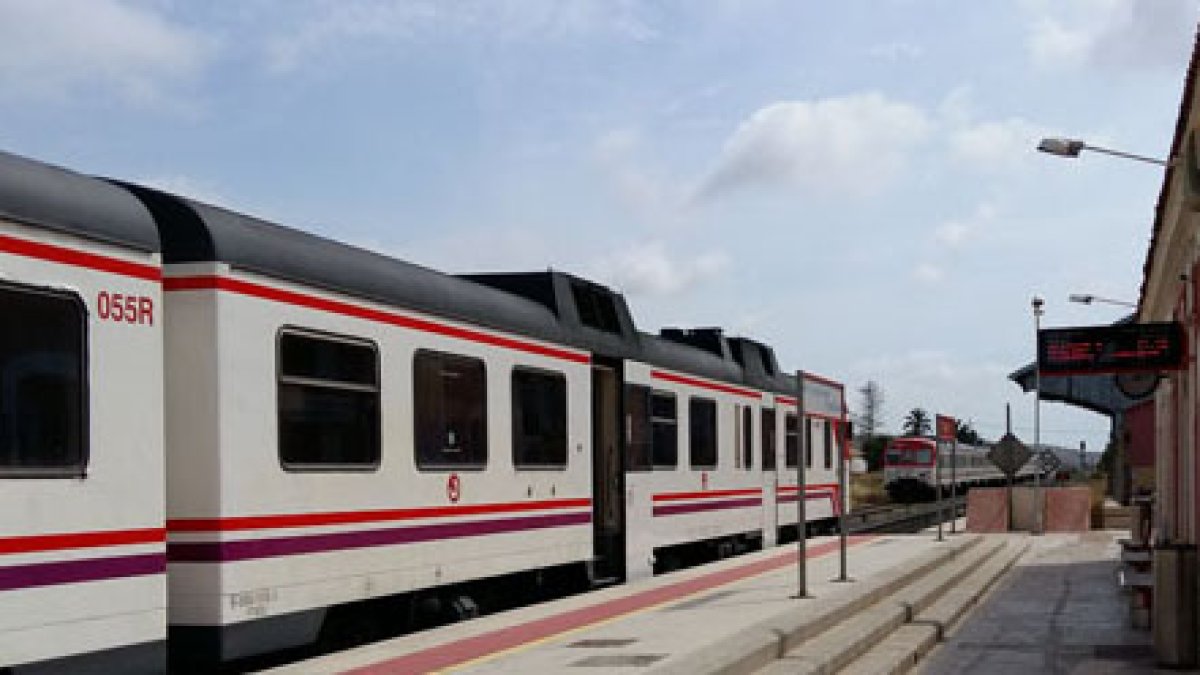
(676, 509)
(252, 549)
(34, 575)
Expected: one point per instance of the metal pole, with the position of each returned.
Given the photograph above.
(1126, 155)
(1009, 496)
(937, 484)
(801, 496)
(1037, 406)
(953, 484)
(841, 469)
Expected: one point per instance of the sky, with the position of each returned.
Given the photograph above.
(854, 183)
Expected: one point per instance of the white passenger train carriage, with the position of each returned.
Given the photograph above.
(913, 465)
(82, 559)
(344, 435)
(329, 442)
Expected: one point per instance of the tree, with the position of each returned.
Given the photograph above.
(917, 422)
(872, 450)
(967, 434)
(870, 416)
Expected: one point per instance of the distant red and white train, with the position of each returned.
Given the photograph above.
(244, 437)
(911, 466)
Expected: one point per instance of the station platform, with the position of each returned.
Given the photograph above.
(1058, 610)
(734, 616)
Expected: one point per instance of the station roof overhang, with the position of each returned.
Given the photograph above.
(1097, 393)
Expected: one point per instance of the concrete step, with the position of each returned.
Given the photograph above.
(762, 643)
(901, 650)
(838, 646)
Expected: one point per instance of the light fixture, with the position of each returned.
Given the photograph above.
(1088, 298)
(1071, 147)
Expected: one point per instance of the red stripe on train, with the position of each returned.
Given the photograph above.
(62, 541)
(69, 256)
(703, 384)
(286, 520)
(355, 311)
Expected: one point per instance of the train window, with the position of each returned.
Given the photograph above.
(637, 428)
(828, 444)
(664, 426)
(737, 436)
(808, 425)
(791, 441)
(539, 419)
(747, 437)
(702, 436)
(769, 431)
(328, 391)
(43, 384)
(449, 411)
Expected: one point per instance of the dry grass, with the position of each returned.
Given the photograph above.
(867, 489)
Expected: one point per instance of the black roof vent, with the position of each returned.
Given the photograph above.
(739, 354)
(708, 339)
(754, 356)
(535, 286)
(596, 306)
(768, 359)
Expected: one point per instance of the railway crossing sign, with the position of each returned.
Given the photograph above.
(1048, 462)
(1009, 455)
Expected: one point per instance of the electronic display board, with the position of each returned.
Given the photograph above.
(1090, 350)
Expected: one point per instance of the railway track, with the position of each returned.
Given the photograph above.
(901, 518)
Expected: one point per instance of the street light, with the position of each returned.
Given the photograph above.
(1037, 405)
(1088, 298)
(1071, 147)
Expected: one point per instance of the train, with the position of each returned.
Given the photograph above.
(221, 436)
(912, 466)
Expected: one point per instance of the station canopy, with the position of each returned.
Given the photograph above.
(1097, 393)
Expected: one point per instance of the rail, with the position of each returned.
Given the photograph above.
(898, 518)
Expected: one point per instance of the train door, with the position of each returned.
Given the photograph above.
(770, 476)
(608, 476)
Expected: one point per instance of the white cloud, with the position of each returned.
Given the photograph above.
(856, 144)
(996, 145)
(54, 48)
(329, 26)
(1121, 34)
(650, 196)
(648, 269)
(928, 273)
(954, 234)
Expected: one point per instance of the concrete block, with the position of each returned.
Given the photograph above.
(987, 510)
(1068, 509)
(1025, 508)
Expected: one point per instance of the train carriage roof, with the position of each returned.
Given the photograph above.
(35, 193)
(551, 306)
(192, 231)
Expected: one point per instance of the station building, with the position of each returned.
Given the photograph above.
(1171, 292)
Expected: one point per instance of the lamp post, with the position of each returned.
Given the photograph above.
(1037, 303)
(1088, 298)
(1071, 147)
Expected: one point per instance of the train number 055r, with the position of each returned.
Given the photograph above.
(136, 309)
